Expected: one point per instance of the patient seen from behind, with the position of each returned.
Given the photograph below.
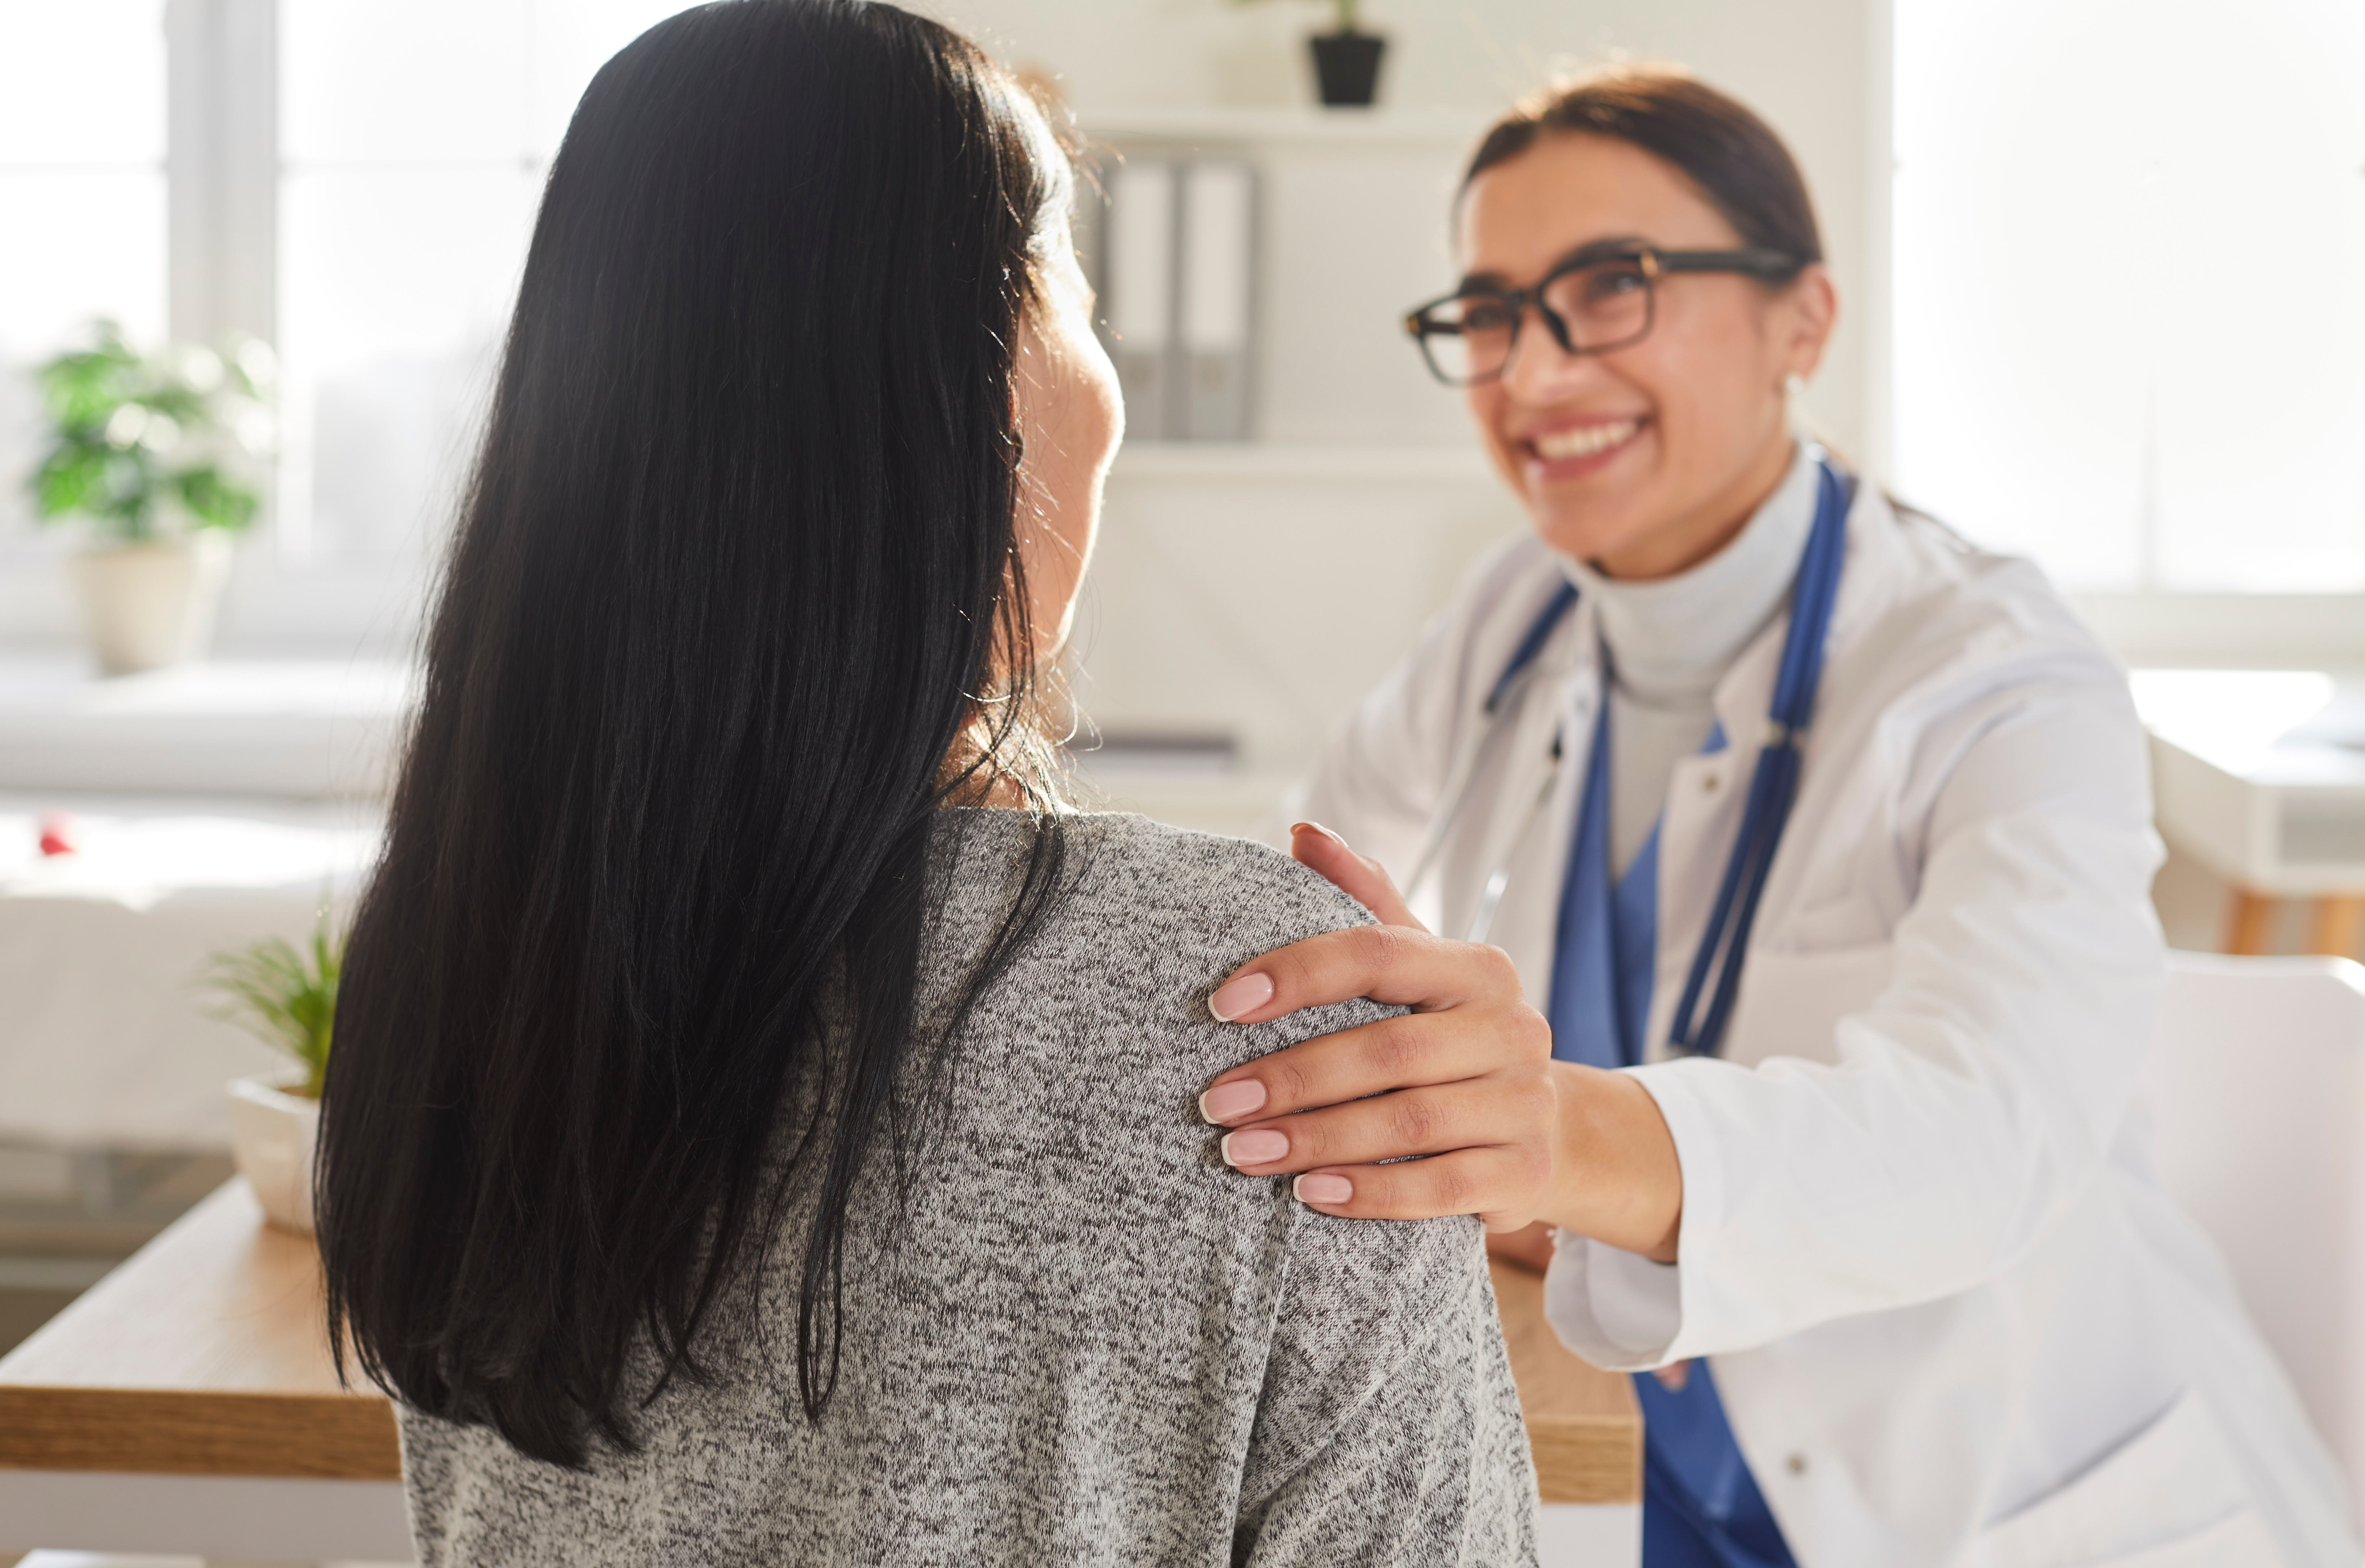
(762, 1122)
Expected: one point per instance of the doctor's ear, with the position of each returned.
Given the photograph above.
(1805, 312)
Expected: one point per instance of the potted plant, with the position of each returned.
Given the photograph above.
(286, 996)
(148, 453)
(1346, 59)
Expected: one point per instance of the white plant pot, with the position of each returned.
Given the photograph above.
(272, 1134)
(148, 605)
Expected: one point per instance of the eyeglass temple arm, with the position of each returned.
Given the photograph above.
(1755, 261)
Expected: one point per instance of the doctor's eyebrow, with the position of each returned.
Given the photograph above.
(1591, 251)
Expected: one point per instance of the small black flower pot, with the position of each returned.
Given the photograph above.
(1346, 66)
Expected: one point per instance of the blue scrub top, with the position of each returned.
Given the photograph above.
(1701, 1508)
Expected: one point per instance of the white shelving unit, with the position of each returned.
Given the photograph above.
(1451, 131)
(1258, 589)
(1296, 463)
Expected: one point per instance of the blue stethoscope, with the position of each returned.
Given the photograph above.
(1772, 788)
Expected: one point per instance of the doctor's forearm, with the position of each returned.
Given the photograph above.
(1615, 1178)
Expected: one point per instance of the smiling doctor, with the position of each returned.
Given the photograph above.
(1795, 956)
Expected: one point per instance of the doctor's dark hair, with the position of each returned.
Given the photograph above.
(732, 608)
(1734, 157)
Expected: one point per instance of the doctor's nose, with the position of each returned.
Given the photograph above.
(1539, 370)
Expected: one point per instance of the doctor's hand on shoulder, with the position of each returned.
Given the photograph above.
(1466, 1079)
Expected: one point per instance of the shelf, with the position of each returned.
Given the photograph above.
(1440, 130)
(1299, 460)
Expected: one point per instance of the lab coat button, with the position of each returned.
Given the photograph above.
(1796, 1464)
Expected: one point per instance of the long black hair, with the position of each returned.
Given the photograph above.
(731, 610)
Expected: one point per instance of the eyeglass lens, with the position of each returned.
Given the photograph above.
(1605, 306)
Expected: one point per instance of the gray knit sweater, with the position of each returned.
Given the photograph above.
(1083, 1339)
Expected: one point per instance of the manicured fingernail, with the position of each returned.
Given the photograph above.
(1326, 833)
(1230, 1101)
(1236, 997)
(1259, 1147)
(1324, 1189)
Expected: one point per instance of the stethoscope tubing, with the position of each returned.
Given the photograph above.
(1773, 786)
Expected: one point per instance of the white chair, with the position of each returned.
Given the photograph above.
(2257, 1088)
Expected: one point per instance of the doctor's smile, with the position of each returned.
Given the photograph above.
(1578, 448)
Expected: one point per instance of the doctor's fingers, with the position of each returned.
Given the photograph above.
(1413, 1051)
(1515, 1115)
(1395, 964)
(1496, 1184)
(1365, 880)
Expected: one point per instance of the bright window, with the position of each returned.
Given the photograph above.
(414, 137)
(82, 181)
(2129, 286)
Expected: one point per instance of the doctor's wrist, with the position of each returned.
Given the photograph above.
(1615, 1178)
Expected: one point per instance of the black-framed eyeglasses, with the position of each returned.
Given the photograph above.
(1592, 303)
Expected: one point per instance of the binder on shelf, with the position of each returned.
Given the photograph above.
(1219, 231)
(1140, 284)
(1178, 274)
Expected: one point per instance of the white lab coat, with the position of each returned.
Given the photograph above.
(1953, 1318)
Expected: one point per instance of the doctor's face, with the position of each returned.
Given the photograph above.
(1645, 460)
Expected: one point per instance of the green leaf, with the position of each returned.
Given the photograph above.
(182, 403)
(81, 391)
(72, 480)
(284, 996)
(215, 501)
(119, 491)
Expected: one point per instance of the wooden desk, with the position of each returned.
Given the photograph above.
(1585, 1425)
(184, 1404)
(204, 1356)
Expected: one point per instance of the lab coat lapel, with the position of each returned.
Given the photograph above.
(1706, 793)
(1526, 923)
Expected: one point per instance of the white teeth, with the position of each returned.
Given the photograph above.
(1585, 439)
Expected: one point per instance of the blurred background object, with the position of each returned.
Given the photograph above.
(1346, 59)
(285, 994)
(151, 455)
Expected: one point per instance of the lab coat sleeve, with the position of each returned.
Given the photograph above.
(1968, 1106)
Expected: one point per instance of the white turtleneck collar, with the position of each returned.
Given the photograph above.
(1672, 639)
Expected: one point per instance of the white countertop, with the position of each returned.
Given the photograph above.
(2302, 728)
(106, 1035)
(2260, 774)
